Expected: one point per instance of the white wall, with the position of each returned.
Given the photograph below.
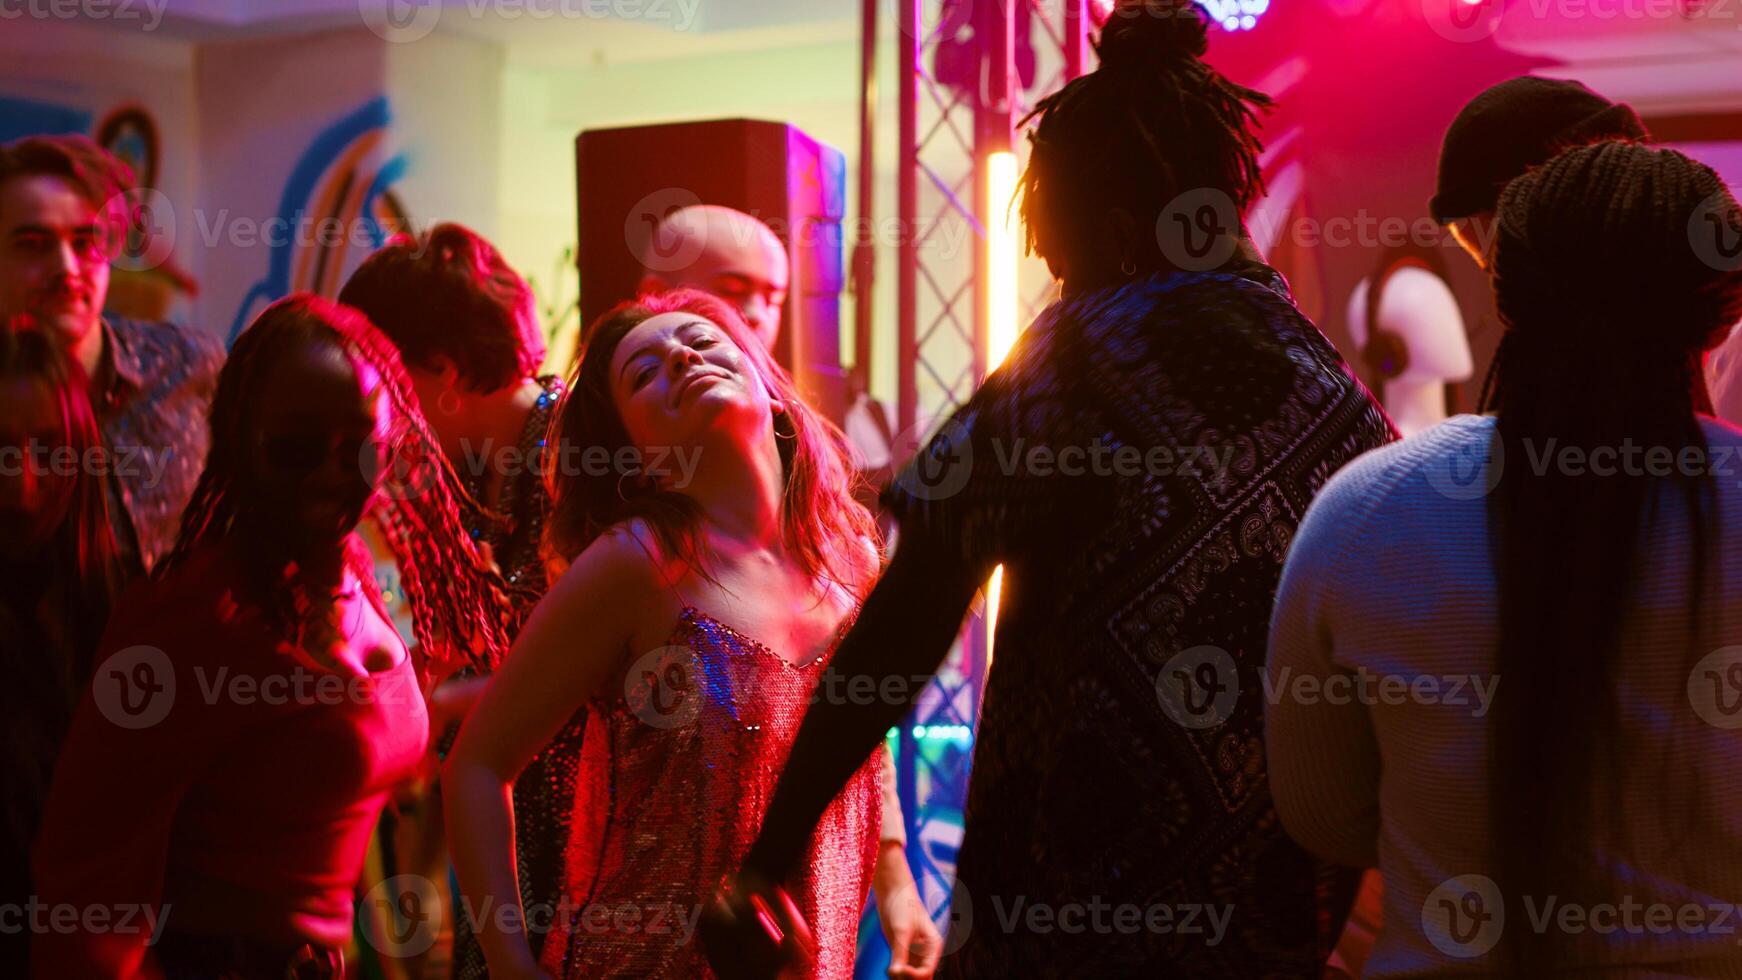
(269, 102)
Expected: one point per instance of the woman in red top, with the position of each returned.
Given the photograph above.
(210, 811)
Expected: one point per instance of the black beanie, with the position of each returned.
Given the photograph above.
(1513, 126)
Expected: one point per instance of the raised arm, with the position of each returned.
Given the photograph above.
(573, 642)
(903, 632)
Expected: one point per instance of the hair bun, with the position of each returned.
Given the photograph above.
(1148, 31)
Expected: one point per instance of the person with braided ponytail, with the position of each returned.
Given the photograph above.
(1571, 562)
(1118, 783)
(254, 705)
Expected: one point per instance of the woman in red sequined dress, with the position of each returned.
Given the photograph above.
(715, 557)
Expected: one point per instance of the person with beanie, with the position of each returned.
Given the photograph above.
(1509, 128)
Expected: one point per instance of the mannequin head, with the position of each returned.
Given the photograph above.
(1419, 348)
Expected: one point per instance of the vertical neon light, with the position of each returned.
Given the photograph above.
(1002, 324)
(1001, 254)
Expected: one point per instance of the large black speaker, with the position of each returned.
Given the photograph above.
(629, 179)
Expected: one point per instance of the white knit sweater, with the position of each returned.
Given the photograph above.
(1380, 677)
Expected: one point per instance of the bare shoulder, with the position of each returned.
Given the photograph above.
(624, 563)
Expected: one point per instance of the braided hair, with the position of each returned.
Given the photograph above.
(1152, 122)
(1608, 305)
(461, 610)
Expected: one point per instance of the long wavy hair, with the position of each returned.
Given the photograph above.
(1608, 305)
(821, 524)
(449, 293)
(461, 610)
(47, 652)
(85, 569)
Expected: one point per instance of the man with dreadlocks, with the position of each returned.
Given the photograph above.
(256, 705)
(1119, 819)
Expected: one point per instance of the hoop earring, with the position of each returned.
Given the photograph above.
(620, 495)
(448, 402)
(1129, 267)
(789, 424)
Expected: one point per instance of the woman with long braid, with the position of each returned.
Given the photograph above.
(1571, 562)
(255, 705)
(1107, 806)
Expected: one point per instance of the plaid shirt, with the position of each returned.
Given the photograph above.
(158, 381)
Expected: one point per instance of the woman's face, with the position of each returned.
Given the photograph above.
(36, 473)
(321, 421)
(676, 376)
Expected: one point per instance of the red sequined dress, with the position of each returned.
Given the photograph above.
(674, 779)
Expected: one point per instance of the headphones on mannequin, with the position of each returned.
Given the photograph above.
(1385, 354)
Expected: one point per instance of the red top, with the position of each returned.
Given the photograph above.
(216, 780)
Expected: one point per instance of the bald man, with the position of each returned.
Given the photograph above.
(739, 259)
(724, 252)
